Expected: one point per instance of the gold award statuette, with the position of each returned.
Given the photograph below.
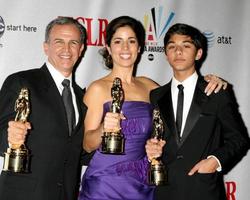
(113, 142)
(16, 159)
(157, 173)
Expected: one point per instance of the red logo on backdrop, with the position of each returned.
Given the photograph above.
(96, 30)
(230, 190)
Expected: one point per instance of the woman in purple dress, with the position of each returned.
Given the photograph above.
(119, 176)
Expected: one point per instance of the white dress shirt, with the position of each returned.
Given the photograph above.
(58, 78)
(189, 87)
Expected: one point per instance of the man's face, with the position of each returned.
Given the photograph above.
(181, 54)
(64, 47)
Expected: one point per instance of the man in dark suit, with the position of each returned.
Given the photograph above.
(203, 134)
(55, 145)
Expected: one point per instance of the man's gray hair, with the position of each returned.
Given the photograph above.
(63, 21)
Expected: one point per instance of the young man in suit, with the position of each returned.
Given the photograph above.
(202, 133)
(55, 144)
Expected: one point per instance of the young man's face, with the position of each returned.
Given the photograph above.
(181, 54)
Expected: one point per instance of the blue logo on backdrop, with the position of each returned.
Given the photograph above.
(210, 38)
(2, 26)
(219, 40)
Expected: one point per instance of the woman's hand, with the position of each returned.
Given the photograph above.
(215, 84)
(112, 122)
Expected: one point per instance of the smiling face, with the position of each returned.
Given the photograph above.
(124, 47)
(64, 47)
(181, 54)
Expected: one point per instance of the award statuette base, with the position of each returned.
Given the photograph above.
(157, 174)
(16, 160)
(113, 143)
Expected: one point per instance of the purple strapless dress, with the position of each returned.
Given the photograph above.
(111, 177)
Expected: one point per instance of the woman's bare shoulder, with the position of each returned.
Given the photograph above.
(151, 84)
(97, 85)
(97, 90)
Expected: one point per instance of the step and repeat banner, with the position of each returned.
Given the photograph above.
(225, 23)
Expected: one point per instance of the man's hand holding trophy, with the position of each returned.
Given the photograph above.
(157, 174)
(16, 159)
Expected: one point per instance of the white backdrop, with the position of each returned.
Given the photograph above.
(225, 23)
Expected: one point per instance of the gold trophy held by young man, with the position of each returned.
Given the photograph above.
(113, 142)
(16, 159)
(157, 173)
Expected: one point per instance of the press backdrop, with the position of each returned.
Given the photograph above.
(225, 23)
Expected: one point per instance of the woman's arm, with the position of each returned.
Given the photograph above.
(93, 127)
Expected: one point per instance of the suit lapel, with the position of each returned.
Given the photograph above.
(52, 92)
(166, 109)
(80, 106)
(199, 99)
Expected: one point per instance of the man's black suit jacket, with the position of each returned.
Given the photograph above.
(55, 156)
(212, 128)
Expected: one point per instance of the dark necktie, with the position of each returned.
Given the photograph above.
(179, 111)
(68, 103)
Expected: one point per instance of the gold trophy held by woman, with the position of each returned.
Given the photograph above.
(113, 142)
(16, 159)
(157, 173)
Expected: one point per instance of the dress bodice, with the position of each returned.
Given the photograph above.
(137, 126)
(122, 176)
